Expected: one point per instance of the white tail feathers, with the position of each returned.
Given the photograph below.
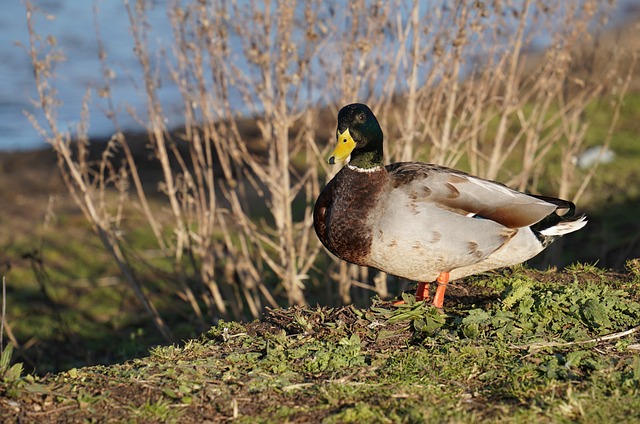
(565, 227)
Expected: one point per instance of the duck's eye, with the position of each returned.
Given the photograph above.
(361, 117)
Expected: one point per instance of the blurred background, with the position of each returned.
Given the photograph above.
(160, 160)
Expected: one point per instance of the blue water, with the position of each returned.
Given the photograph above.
(73, 24)
(74, 29)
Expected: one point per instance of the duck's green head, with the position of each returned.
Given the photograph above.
(359, 137)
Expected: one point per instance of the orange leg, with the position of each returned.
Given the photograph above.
(438, 299)
(422, 292)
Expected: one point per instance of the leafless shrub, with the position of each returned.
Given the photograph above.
(450, 84)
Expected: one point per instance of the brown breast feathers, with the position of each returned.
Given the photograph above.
(342, 211)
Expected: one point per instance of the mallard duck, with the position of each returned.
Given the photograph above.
(425, 222)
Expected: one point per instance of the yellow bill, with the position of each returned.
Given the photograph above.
(343, 150)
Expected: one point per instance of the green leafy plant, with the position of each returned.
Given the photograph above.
(10, 374)
(533, 310)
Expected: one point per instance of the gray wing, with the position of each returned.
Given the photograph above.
(466, 195)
